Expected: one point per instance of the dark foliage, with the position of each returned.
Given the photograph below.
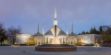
(2, 34)
(9, 34)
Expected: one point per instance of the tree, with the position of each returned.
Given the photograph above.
(11, 33)
(100, 29)
(108, 31)
(2, 34)
(94, 31)
(84, 32)
(105, 30)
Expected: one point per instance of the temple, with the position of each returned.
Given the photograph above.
(56, 35)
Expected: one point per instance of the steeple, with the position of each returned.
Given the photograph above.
(72, 29)
(55, 30)
(72, 33)
(38, 32)
(55, 22)
(38, 29)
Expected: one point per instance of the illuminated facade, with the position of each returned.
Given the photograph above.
(57, 36)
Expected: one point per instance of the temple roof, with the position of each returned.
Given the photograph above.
(62, 33)
(38, 34)
(59, 31)
(72, 34)
(55, 30)
(48, 33)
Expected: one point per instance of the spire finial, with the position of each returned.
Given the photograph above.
(55, 17)
(55, 13)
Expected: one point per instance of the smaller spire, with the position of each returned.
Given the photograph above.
(38, 28)
(38, 32)
(72, 33)
(72, 28)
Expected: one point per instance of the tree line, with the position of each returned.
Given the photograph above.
(104, 31)
(100, 30)
(8, 34)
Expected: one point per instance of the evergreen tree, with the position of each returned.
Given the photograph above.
(108, 31)
(2, 34)
(100, 29)
(94, 31)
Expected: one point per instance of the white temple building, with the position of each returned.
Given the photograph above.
(56, 35)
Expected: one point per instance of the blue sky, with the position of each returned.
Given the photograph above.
(27, 14)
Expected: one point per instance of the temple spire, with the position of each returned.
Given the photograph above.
(38, 29)
(72, 33)
(72, 28)
(55, 18)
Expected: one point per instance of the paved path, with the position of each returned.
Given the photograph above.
(30, 51)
